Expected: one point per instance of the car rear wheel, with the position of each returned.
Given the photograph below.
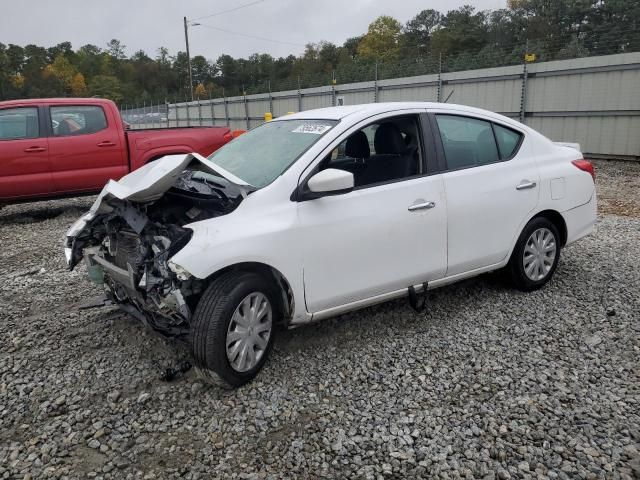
(233, 328)
(535, 257)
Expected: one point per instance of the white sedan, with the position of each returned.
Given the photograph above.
(325, 211)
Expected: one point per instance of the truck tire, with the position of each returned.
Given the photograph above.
(535, 257)
(233, 328)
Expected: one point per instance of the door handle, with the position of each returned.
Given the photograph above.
(106, 143)
(35, 149)
(526, 185)
(422, 206)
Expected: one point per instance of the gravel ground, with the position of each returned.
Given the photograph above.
(490, 383)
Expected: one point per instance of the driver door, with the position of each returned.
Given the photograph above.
(380, 237)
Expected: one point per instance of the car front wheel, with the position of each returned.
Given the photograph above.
(233, 328)
(535, 256)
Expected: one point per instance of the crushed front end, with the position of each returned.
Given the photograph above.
(128, 238)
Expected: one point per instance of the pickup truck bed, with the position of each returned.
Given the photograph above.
(62, 147)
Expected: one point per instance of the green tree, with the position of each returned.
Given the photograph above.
(419, 29)
(88, 60)
(15, 57)
(4, 70)
(462, 30)
(351, 46)
(116, 49)
(202, 70)
(106, 86)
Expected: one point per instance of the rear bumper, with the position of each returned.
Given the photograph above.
(581, 220)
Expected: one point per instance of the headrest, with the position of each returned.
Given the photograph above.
(389, 140)
(357, 146)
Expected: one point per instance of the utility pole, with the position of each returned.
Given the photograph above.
(186, 40)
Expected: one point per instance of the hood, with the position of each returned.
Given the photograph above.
(145, 185)
(151, 181)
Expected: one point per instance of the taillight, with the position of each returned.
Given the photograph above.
(586, 166)
(227, 137)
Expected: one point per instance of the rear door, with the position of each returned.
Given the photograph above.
(492, 185)
(24, 154)
(85, 147)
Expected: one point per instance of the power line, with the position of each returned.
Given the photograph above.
(229, 10)
(250, 36)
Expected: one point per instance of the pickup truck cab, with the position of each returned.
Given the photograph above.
(70, 146)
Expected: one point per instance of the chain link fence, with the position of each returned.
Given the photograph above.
(157, 113)
(560, 92)
(146, 116)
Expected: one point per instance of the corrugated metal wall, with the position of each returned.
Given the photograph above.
(594, 101)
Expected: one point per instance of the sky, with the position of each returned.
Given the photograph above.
(149, 24)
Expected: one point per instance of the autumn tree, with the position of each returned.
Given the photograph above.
(382, 41)
(200, 91)
(63, 70)
(78, 85)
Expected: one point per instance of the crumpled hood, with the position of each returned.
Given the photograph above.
(151, 181)
(147, 184)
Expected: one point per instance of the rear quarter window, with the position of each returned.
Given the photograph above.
(508, 141)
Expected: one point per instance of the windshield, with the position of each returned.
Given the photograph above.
(261, 155)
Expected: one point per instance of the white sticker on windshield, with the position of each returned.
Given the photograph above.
(314, 128)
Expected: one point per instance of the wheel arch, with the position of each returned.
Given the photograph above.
(558, 220)
(286, 300)
(553, 216)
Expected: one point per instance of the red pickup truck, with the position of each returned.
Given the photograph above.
(70, 146)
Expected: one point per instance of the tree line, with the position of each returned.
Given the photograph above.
(463, 38)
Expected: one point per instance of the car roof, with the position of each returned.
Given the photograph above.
(53, 101)
(357, 112)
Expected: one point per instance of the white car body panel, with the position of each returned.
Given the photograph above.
(261, 230)
(347, 251)
(339, 235)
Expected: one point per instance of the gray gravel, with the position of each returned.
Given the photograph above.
(490, 383)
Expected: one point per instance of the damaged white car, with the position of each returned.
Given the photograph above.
(326, 211)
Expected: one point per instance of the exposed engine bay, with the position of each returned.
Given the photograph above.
(127, 244)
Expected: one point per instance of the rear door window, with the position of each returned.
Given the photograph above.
(16, 123)
(467, 142)
(77, 120)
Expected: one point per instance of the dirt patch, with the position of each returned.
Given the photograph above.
(85, 459)
(618, 187)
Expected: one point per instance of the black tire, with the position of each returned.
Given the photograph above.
(516, 269)
(210, 324)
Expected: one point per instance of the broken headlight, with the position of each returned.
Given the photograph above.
(180, 272)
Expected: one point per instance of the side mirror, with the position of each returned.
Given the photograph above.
(331, 181)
